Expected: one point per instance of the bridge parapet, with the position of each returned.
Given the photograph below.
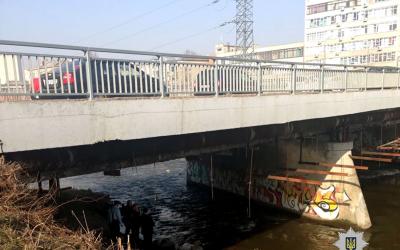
(37, 70)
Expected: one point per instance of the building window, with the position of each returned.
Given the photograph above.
(355, 16)
(375, 26)
(317, 8)
(344, 18)
(392, 40)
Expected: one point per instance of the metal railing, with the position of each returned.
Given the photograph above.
(36, 70)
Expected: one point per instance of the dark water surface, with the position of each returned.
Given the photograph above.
(186, 213)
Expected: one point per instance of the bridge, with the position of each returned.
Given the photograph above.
(93, 98)
(73, 110)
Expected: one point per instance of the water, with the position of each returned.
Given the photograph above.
(187, 214)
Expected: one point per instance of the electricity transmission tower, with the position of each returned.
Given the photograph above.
(244, 28)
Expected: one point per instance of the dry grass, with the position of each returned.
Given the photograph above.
(27, 220)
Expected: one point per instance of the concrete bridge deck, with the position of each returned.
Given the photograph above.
(63, 123)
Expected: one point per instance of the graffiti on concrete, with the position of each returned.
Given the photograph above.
(325, 203)
(320, 201)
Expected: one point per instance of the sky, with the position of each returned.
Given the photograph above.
(151, 25)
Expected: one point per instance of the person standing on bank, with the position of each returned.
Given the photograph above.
(135, 223)
(147, 225)
(126, 217)
(115, 220)
(131, 218)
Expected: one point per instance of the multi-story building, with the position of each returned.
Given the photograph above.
(352, 32)
(292, 52)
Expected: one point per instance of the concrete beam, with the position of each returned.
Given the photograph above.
(65, 123)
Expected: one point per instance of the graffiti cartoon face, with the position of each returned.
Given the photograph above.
(325, 204)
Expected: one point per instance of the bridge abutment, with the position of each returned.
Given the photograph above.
(337, 197)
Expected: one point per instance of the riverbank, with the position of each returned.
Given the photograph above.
(32, 221)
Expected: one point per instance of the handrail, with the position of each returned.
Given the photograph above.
(162, 54)
(44, 74)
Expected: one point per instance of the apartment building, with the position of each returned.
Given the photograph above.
(292, 52)
(352, 32)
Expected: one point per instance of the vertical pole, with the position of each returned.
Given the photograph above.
(398, 78)
(52, 185)
(58, 186)
(301, 150)
(8, 79)
(346, 78)
(250, 177)
(89, 75)
(57, 182)
(161, 76)
(294, 69)
(21, 73)
(259, 78)
(39, 181)
(381, 140)
(322, 79)
(212, 178)
(383, 79)
(366, 78)
(361, 140)
(216, 83)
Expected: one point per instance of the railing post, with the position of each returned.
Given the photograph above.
(89, 75)
(294, 69)
(216, 87)
(383, 79)
(161, 75)
(21, 77)
(322, 78)
(366, 78)
(346, 78)
(259, 78)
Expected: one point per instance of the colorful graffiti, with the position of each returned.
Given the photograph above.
(307, 199)
(322, 201)
(325, 203)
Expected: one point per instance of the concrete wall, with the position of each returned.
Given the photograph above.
(338, 198)
(64, 123)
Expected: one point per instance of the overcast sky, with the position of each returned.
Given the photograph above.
(160, 25)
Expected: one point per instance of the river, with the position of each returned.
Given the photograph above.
(187, 213)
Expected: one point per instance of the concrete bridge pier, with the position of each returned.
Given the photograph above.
(337, 197)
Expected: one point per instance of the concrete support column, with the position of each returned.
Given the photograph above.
(339, 197)
(347, 191)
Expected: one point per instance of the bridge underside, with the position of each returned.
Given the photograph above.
(77, 160)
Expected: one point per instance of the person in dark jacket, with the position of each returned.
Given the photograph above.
(147, 225)
(135, 223)
(115, 220)
(131, 218)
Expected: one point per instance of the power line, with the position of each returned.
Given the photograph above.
(162, 23)
(189, 36)
(127, 21)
